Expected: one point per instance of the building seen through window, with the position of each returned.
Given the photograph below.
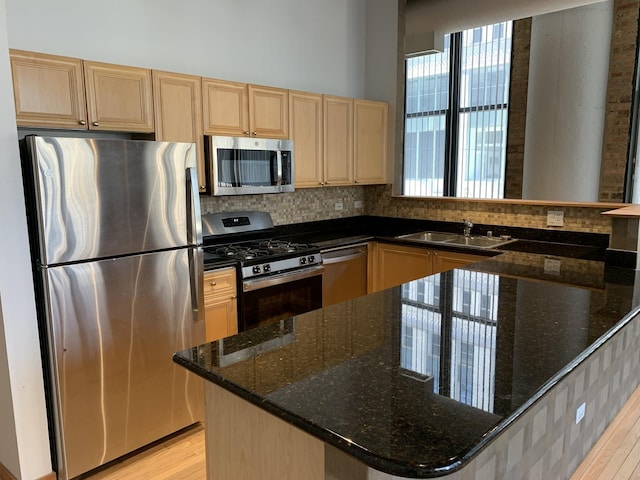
(456, 105)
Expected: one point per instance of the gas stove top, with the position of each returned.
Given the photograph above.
(226, 238)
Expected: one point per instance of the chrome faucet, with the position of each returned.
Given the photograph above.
(467, 227)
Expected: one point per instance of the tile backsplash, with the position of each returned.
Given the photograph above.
(312, 204)
(303, 205)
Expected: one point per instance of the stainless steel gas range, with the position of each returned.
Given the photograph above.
(277, 279)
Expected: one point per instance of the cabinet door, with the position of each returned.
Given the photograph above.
(225, 107)
(443, 260)
(268, 112)
(48, 90)
(119, 98)
(338, 140)
(344, 277)
(218, 317)
(220, 305)
(397, 264)
(370, 142)
(305, 115)
(177, 103)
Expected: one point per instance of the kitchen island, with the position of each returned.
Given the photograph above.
(482, 372)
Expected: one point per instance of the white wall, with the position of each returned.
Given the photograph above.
(568, 68)
(24, 443)
(312, 45)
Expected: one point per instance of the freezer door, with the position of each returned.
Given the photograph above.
(113, 328)
(96, 198)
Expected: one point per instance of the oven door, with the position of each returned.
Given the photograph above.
(268, 299)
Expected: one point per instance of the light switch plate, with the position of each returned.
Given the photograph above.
(338, 206)
(552, 266)
(555, 218)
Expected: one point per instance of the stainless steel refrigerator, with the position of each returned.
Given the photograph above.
(117, 253)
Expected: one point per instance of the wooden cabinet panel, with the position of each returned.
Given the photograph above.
(178, 113)
(220, 306)
(225, 107)
(338, 140)
(119, 98)
(237, 109)
(397, 264)
(370, 143)
(48, 90)
(443, 260)
(306, 129)
(268, 112)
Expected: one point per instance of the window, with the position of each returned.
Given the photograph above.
(456, 105)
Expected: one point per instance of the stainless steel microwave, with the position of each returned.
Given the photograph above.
(243, 165)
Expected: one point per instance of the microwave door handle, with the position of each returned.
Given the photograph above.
(279, 157)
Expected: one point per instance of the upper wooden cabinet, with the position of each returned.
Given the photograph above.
(48, 90)
(238, 109)
(338, 140)
(177, 102)
(354, 140)
(119, 98)
(370, 141)
(305, 115)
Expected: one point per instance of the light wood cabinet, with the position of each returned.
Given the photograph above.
(238, 109)
(220, 305)
(177, 101)
(444, 260)
(338, 141)
(396, 264)
(370, 141)
(354, 140)
(48, 90)
(119, 98)
(306, 129)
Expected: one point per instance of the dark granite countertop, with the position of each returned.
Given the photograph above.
(417, 379)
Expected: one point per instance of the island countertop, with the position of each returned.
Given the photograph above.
(416, 380)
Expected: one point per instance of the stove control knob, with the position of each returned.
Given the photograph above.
(312, 258)
(303, 260)
(267, 268)
(256, 269)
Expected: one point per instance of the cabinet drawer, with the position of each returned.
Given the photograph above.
(219, 282)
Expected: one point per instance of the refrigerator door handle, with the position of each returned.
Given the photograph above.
(196, 272)
(194, 227)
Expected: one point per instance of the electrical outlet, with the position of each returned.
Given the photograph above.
(552, 266)
(338, 206)
(357, 204)
(580, 411)
(555, 218)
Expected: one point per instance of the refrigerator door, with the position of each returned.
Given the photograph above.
(97, 198)
(113, 328)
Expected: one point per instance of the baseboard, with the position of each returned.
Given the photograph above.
(7, 475)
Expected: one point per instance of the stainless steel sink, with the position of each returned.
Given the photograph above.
(456, 239)
(430, 236)
(480, 242)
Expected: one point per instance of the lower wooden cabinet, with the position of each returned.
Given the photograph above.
(220, 305)
(396, 264)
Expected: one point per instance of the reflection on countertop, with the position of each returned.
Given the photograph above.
(419, 377)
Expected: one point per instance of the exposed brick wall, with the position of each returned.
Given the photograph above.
(619, 97)
(517, 107)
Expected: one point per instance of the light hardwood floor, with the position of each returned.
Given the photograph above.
(182, 457)
(616, 456)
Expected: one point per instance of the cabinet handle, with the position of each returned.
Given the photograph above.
(246, 132)
(355, 181)
(213, 284)
(95, 124)
(82, 122)
(254, 133)
(233, 297)
(202, 187)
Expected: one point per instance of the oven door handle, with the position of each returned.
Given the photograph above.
(279, 279)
